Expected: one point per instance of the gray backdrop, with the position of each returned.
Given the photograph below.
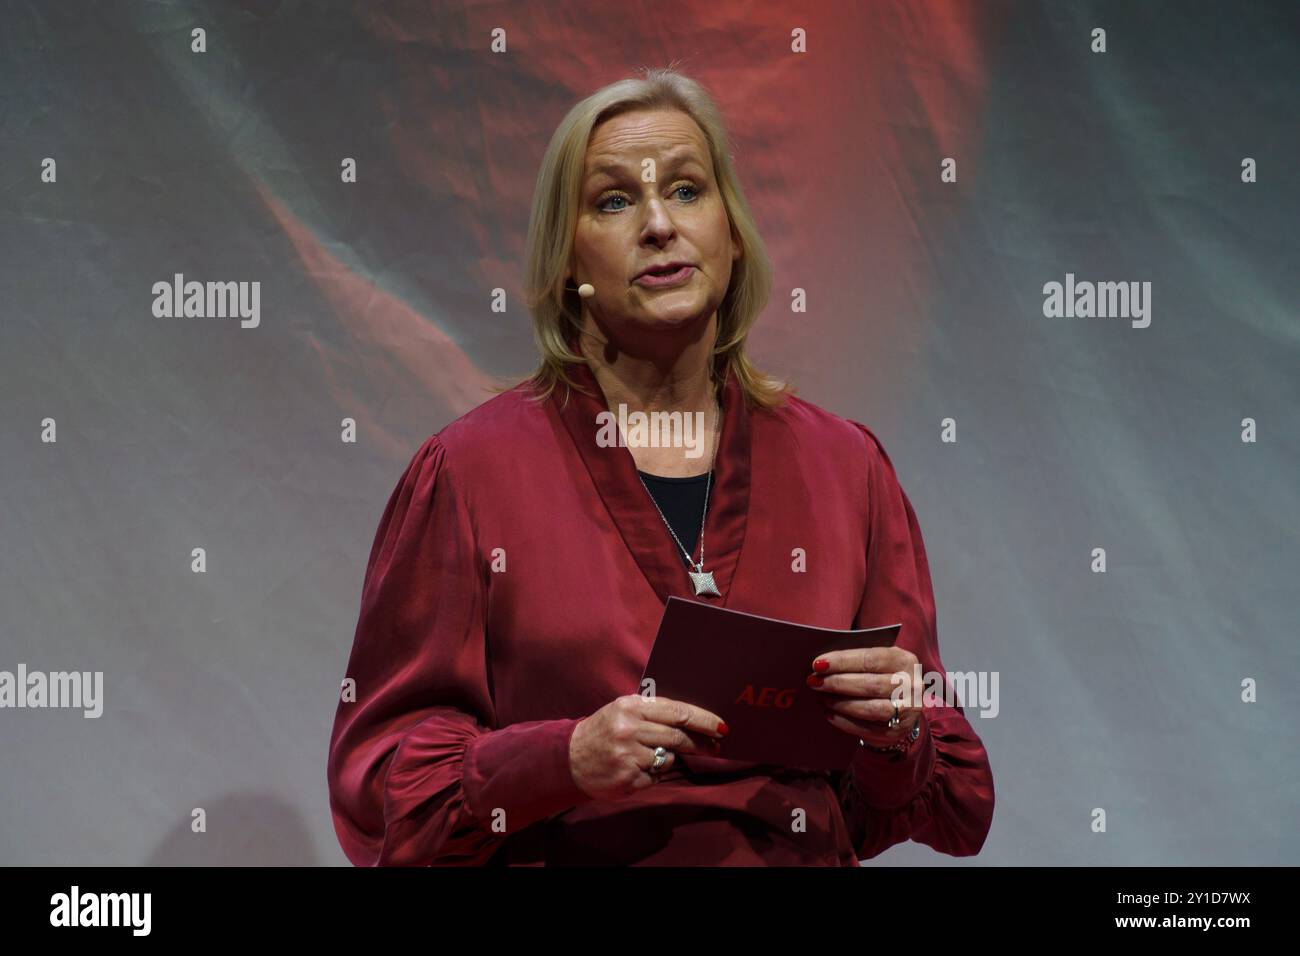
(1119, 690)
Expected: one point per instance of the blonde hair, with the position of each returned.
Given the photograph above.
(557, 311)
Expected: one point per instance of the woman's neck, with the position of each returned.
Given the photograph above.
(674, 379)
(668, 381)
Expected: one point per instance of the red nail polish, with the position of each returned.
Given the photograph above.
(815, 680)
(723, 728)
(821, 666)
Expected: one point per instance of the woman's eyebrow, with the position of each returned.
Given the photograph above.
(614, 170)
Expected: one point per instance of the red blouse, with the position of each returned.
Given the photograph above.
(515, 586)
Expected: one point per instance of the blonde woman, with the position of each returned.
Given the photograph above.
(523, 562)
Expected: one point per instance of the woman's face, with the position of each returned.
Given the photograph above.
(649, 198)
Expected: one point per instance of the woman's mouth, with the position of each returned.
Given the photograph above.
(654, 281)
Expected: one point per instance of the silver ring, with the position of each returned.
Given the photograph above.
(661, 758)
(894, 721)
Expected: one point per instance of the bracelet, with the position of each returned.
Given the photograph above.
(900, 745)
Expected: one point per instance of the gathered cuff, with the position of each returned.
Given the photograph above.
(886, 780)
(520, 774)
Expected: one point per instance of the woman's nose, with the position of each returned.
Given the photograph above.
(658, 220)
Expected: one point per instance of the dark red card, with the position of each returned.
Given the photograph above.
(752, 672)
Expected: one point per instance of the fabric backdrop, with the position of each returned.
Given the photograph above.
(1119, 690)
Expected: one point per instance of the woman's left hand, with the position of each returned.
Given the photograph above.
(859, 687)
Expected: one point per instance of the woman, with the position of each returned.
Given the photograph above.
(522, 564)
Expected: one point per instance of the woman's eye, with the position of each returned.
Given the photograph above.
(604, 207)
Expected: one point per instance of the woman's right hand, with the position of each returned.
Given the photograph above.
(610, 752)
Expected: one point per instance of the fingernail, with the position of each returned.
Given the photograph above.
(723, 728)
(815, 680)
(821, 666)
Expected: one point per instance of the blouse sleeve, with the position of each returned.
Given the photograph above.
(940, 792)
(418, 772)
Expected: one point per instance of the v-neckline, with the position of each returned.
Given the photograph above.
(614, 473)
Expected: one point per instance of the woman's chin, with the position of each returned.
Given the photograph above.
(682, 316)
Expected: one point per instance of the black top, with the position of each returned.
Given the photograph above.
(682, 502)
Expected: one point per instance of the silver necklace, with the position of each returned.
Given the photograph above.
(703, 580)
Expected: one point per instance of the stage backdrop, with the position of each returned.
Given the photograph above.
(922, 171)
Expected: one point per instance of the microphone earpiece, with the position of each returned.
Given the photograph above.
(586, 290)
